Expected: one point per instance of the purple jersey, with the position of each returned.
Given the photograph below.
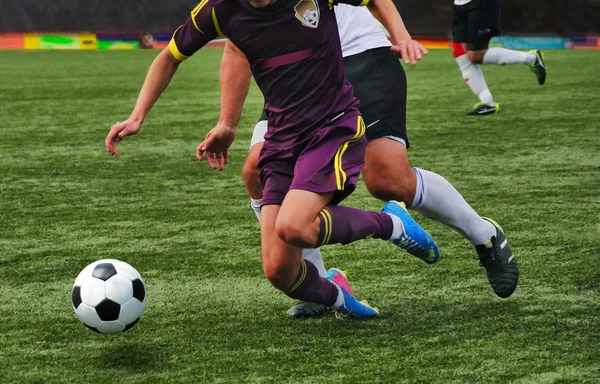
(293, 48)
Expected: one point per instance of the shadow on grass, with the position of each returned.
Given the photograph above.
(135, 358)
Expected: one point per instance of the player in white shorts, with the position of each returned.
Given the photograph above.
(379, 83)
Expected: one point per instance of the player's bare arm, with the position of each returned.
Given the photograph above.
(235, 84)
(158, 78)
(386, 12)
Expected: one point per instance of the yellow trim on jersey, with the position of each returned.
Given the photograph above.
(364, 2)
(330, 2)
(302, 276)
(175, 51)
(326, 216)
(340, 175)
(196, 11)
(216, 22)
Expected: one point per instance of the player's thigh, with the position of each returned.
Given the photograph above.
(281, 261)
(251, 172)
(256, 144)
(382, 92)
(483, 21)
(387, 172)
(300, 209)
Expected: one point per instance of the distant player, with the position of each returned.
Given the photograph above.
(387, 172)
(475, 23)
(315, 145)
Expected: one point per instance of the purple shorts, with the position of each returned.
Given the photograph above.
(330, 161)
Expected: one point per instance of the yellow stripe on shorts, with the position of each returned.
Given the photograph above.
(196, 11)
(340, 175)
(216, 23)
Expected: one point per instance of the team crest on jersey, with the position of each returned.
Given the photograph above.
(307, 11)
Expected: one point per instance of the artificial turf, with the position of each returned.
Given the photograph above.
(211, 315)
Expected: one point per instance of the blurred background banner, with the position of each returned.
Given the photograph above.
(430, 18)
(135, 24)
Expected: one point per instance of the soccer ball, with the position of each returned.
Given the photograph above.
(310, 16)
(109, 296)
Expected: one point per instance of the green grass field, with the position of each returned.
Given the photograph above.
(211, 315)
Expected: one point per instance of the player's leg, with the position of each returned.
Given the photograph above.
(387, 172)
(283, 264)
(287, 271)
(473, 76)
(251, 176)
(309, 216)
(484, 16)
(463, 32)
(388, 175)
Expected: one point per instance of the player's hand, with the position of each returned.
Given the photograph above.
(214, 147)
(410, 51)
(118, 132)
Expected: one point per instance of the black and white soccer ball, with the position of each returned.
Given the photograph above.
(311, 16)
(109, 296)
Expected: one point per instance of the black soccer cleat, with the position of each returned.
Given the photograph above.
(304, 309)
(539, 66)
(499, 262)
(482, 109)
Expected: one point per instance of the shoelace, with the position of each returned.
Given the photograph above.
(410, 245)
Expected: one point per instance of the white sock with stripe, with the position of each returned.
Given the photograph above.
(310, 254)
(473, 75)
(437, 199)
(502, 56)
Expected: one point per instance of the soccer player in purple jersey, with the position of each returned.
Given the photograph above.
(315, 144)
(387, 173)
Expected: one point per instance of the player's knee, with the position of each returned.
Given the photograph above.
(476, 57)
(399, 186)
(292, 232)
(277, 274)
(251, 173)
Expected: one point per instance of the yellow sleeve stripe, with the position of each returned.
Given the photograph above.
(196, 11)
(216, 22)
(175, 51)
(364, 2)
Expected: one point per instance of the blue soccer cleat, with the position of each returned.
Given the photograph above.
(351, 308)
(413, 239)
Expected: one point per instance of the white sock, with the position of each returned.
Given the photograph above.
(316, 258)
(437, 199)
(311, 254)
(255, 205)
(398, 228)
(473, 75)
(502, 56)
(340, 299)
